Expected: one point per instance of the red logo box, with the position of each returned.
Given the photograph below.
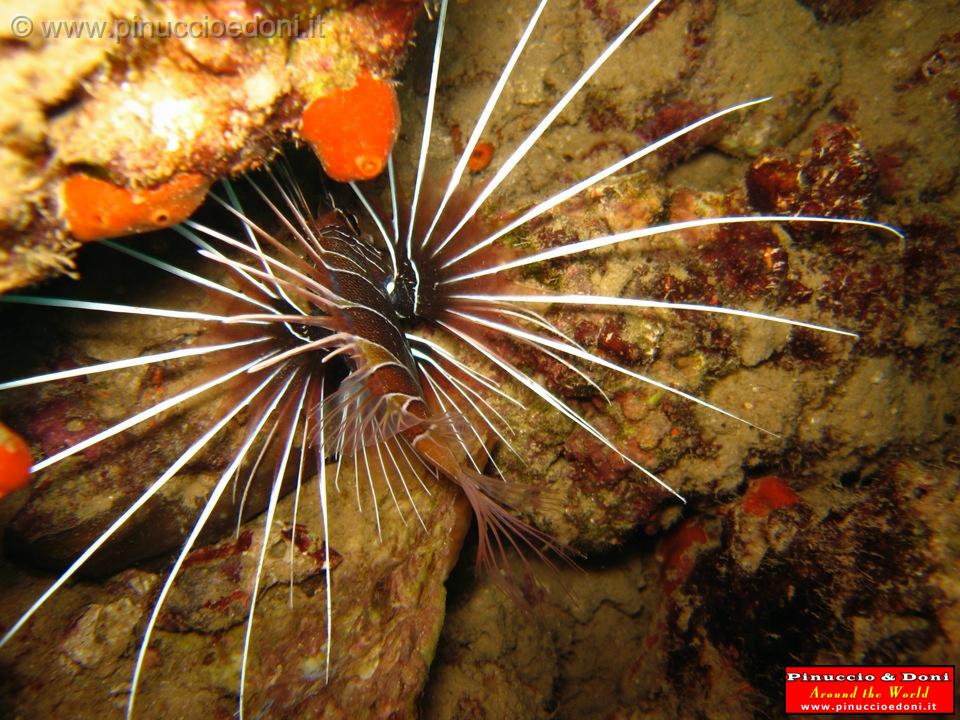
(871, 689)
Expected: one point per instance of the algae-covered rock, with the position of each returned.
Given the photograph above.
(140, 94)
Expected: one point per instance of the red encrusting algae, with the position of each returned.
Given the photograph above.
(767, 494)
(94, 209)
(677, 553)
(352, 130)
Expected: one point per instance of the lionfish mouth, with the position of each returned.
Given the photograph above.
(381, 354)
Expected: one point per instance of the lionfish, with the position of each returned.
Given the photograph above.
(382, 351)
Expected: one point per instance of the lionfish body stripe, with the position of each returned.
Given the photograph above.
(380, 356)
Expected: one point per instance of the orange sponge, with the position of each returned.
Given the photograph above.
(15, 461)
(352, 130)
(95, 209)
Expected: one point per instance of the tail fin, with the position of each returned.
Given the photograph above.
(498, 527)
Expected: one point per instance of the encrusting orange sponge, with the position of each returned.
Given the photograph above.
(352, 130)
(480, 157)
(15, 461)
(95, 209)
